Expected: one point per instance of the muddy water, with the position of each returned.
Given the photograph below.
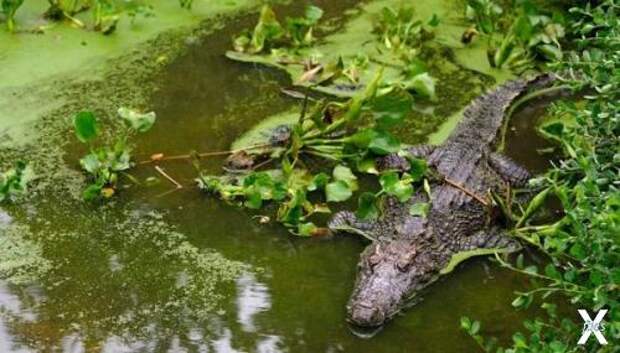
(135, 289)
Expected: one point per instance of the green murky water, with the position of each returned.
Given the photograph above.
(161, 271)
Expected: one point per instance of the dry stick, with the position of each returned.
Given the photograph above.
(262, 164)
(205, 154)
(161, 171)
(466, 191)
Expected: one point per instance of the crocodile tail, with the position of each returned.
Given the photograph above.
(483, 118)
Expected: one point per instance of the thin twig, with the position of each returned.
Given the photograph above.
(262, 164)
(205, 154)
(466, 191)
(161, 171)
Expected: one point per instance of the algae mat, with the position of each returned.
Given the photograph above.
(460, 72)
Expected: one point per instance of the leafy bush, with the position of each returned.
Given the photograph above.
(583, 246)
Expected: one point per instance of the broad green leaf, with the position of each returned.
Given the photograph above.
(318, 182)
(313, 13)
(345, 174)
(338, 191)
(391, 108)
(384, 143)
(306, 229)
(393, 185)
(423, 84)
(85, 126)
(90, 163)
(362, 138)
(368, 166)
(291, 213)
(418, 168)
(141, 122)
(268, 29)
(253, 199)
(92, 192)
(367, 206)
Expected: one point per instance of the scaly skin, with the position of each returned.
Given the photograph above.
(409, 252)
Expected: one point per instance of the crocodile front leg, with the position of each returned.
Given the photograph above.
(398, 162)
(508, 169)
(348, 222)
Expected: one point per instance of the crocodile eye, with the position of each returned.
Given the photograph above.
(374, 259)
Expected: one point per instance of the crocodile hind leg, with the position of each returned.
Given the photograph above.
(484, 242)
(398, 162)
(509, 170)
(493, 238)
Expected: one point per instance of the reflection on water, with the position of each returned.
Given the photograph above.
(252, 299)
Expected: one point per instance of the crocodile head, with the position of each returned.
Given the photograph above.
(390, 273)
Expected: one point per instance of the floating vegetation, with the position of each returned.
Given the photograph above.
(105, 13)
(13, 182)
(22, 258)
(344, 67)
(533, 34)
(104, 164)
(270, 33)
(349, 135)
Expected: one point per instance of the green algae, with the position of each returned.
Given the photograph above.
(22, 259)
(462, 71)
(68, 252)
(74, 55)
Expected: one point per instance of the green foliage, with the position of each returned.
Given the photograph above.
(485, 14)
(14, 181)
(269, 32)
(343, 186)
(85, 125)
(396, 186)
(582, 246)
(400, 30)
(9, 8)
(531, 35)
(349, 136)
(105, 13)
(104, 163)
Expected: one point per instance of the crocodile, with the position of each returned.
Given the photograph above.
(411, 250)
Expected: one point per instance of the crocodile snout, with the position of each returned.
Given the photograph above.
(365, 315)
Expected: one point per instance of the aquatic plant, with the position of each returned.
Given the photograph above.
(104, 163)
(485, 14)
(9, 8)
(349, 136)
(582, 246)
(531, 34)
(13, 182)
(400, 28)
(269, 32)
(105, 13)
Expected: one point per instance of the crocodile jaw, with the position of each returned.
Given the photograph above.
(387, 277)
